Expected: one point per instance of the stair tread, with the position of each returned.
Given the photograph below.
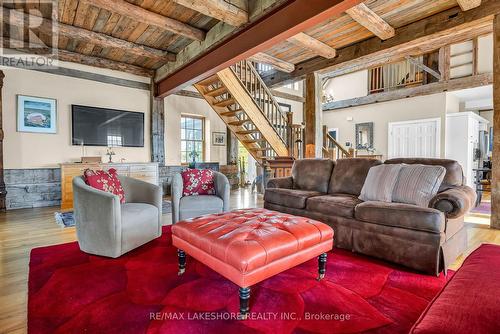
(254, 141)
(230, 113)
(247, 132)
(217, 92)
(209, 81)
(225, 103)
(239, 123)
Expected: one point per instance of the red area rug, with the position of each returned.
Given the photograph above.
(73, 292)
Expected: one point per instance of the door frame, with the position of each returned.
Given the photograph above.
(437, 120)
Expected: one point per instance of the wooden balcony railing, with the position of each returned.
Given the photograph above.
(393, 76)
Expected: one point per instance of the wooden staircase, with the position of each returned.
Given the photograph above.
(332, 149)
(242, 100)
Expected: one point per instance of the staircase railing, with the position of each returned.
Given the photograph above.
(262, 96)
(332, 149)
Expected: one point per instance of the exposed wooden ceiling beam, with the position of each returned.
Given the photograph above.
(145, 16)
(371, 21)
(469, 4)
(74, 57)
(277, 63)
(256, 37)
(219, 9)
(314, 45)
(451, 26)
(19, 19)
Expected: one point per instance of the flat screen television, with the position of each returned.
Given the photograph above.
(93, 126)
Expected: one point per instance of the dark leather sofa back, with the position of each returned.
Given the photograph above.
(454, 175)
(312, 174)
(349, 175)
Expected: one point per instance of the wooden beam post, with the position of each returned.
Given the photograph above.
(313, 116)
(3, 192)
(157, 128)
(444, 62)
(495, 187)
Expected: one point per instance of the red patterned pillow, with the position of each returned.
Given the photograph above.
(106, 181)
(198, 182)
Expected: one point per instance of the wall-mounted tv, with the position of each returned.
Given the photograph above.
(93, 126)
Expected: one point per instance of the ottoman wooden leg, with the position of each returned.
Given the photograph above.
(321, 266)
(244, 302)
(182, 261)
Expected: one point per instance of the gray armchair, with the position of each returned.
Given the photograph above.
(106, 227)
(194, 206)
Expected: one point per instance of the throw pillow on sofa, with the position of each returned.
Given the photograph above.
(106, 181)
(418, 184)
(198, 182)
(380, 182)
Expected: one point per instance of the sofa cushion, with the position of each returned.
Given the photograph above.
(312, 174)
(469, 301)
(334, 205)
(195, 206)
(198, 182)
(418, 184)
(380, 182)
(453, 177)
(139, 224)
(349, 175)
(401, 215)
(292, 198)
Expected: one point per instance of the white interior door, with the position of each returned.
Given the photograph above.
(415, 139)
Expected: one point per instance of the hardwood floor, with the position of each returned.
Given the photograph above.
(22, 230)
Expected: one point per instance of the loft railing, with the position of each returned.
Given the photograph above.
(393, 76)
(332, 149)
(262, 96)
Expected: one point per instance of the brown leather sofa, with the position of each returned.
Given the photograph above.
(425, 239)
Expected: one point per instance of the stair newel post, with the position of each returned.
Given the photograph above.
(290, 139)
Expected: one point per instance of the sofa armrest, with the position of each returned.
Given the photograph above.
(454, 202)
(280, 182)
(176, 192)
(222, 189)
(97, 216)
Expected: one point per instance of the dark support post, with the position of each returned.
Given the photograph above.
(157, 128)
(182, 261)
(495, 186)
(244, 302)
(3, 192)
(321, 266)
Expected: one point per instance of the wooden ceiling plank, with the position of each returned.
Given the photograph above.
(218, 9)
(277, 63)
(314, 45)
(469, 4)
(447, 27)
(140, 14)
(74, 33)
(371, 21)
(64, 55)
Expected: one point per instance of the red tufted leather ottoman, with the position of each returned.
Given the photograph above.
(248, 246)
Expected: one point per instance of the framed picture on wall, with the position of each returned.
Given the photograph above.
(36, 114)
(219, 138)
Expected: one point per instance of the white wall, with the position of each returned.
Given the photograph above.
(432, 106)
(175, 106)
(348, 86)
(34, 150)
(485, 54)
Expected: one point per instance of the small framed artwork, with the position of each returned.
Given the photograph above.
(36, 114)
(219, 138)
